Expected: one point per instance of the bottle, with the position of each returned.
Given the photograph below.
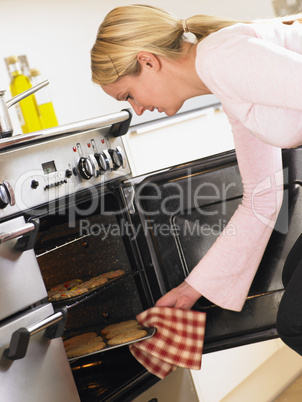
(27, 108)
(48, 115)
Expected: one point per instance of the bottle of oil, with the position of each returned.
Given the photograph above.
(47, 111)
(27, 108)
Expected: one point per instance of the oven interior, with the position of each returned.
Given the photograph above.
(81, 241)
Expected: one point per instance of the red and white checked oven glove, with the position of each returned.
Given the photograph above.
(178, 341)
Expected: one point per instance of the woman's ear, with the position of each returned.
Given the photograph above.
(148, 60)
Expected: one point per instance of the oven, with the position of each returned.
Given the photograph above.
(63, 218)
(71, 210)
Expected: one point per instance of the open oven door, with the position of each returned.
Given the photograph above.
(172, 242)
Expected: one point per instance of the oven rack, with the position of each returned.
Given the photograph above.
(56, 248)
(75, 301)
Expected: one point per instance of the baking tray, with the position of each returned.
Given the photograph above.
(74, 301)
(150, 332)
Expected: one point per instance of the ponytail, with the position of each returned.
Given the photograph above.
(128, 30)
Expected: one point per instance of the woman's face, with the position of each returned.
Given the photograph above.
(151, 89)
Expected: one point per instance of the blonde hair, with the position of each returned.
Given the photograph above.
(127, 30)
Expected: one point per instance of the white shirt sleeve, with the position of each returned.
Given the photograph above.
(225, 273)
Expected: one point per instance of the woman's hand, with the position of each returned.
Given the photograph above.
(183, 297)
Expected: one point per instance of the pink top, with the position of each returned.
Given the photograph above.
(255, 70)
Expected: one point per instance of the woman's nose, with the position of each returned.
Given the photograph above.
(139, 110)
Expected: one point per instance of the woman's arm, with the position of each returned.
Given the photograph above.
(225, 273)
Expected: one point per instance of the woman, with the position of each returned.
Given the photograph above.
(255, 69)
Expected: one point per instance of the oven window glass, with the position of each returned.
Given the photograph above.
(199, 229)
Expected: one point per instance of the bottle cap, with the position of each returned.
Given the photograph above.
(12, 59)
(34, 72)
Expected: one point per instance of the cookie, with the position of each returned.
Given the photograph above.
(68, 294)
(94, 345)
(86, 343)
(118, 331)
(114, 274)
(95, 282)
(73, 283)
(77, 287)
(66, 285)
(56, 293)
(127, 337)
(80, 338)
(119, 325)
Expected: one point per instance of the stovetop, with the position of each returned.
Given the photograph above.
(49, 166)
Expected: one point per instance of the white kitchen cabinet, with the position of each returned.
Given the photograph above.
(179, 139)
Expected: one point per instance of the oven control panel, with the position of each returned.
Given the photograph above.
(46, 171)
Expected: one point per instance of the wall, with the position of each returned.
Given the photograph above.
(57, 36)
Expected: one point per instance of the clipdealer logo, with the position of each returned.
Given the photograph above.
(279, 222)
(171, 200)
(124, 228)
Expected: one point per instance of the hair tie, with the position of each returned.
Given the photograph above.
(185, 26)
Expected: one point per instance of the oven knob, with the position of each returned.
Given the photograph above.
(34, 184)
(85, 168)
(7, 195)
(95, 165)
(104, 161)
(68, 173)
(118, 158)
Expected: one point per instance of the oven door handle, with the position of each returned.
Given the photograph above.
(26, 235)
(129, 195)
(13, 234)
(54, 327)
